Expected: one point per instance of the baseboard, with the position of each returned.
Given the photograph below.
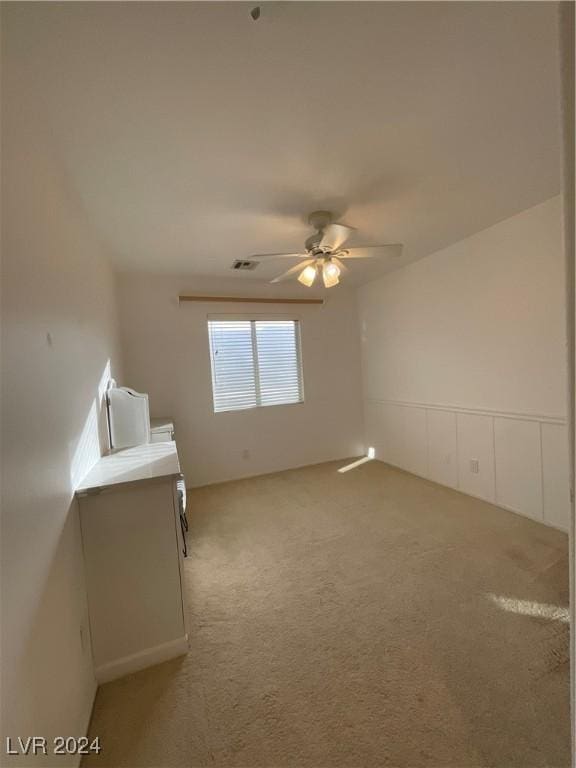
(547, 523)
(253, 475)
(137, 661)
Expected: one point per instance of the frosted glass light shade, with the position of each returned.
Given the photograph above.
(330, 274)
(307, 276)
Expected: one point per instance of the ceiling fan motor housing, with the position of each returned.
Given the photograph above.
(312, 242)
(319, 220)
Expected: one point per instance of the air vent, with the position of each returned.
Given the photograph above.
(244, 264)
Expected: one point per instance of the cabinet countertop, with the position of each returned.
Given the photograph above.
(143, 462)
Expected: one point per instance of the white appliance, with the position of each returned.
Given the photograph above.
(128, 417)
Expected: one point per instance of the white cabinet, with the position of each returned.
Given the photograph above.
(132, 542)
(161, 430)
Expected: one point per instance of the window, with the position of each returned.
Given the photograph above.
(255, 363)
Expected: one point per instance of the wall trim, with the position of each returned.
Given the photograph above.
(541, 418)
(285, 468)
(137, 661)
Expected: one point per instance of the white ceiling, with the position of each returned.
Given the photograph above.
(193, 135)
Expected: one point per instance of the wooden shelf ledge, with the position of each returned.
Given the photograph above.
(249, 300)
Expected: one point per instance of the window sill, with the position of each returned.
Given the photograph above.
(257, 408)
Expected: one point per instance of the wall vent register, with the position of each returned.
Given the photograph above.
(255, 363)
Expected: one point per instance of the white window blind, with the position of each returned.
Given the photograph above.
(255, 363)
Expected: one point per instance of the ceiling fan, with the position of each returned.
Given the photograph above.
(325, 253)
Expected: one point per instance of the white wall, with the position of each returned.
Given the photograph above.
(166, 353)
(58, 339)
(464, 357)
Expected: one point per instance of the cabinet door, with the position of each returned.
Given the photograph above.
(133, 569)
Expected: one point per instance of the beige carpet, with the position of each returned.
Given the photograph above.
(362, 619)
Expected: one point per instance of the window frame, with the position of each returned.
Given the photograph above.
(254, 318)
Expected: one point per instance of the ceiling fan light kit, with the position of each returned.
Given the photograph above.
(307, 276)
(324, 251)
(330, 274)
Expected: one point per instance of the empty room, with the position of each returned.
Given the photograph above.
(287, 384)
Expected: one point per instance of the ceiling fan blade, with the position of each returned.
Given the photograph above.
(262, 256)
(340, 264)
(293, 270)
(369, 251)
(334, 236)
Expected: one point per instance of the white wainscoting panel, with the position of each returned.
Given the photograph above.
(375, 428)
(518, 462)
(556, 477)
(405, 443)
(476, 444)
(522, 459)
(442, 447)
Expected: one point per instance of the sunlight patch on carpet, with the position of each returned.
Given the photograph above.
(531, 608)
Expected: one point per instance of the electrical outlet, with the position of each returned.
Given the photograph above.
(474, 466)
